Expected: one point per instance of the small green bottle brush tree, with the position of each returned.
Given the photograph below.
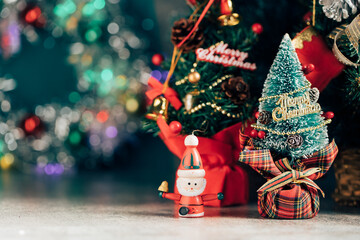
(290, 121)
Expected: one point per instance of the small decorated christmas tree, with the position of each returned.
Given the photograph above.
(292, 128)
(289, 119)
(213, 78)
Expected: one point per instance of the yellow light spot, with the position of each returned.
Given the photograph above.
(132, 105)
(72, 24)
(6, 161)
(86, 59)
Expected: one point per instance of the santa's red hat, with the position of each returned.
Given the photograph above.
(191, 165)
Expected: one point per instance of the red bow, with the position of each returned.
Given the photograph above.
(157, 88)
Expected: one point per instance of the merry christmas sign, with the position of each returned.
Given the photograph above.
(220, 53)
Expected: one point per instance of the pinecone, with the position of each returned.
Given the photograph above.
(236, 89)
(294, 141)
(181, 29)
(314, 94)
(265, 117)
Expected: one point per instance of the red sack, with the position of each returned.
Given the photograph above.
(290, 192)
(219, 155)
(312, 49)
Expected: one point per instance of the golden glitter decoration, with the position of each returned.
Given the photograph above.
(304, 36)
(285, 94)
(229, 20)
(303, 104)
(216, 109)
(293, 132)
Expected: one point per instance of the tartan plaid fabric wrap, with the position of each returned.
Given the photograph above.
(290, 192)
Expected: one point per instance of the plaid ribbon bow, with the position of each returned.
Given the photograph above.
(296, 201)
(289, 175)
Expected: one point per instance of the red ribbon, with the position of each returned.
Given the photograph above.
(208, 5)
(225, 9)
(157, 88)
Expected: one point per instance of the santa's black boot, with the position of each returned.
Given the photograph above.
(183, 211)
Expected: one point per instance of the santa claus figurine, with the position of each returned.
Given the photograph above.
(190, 183)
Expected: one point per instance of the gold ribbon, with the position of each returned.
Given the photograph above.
(288, 176)
(352, 31)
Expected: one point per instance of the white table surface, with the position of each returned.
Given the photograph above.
(89, 208)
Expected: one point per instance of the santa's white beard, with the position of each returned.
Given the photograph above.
(181, 182)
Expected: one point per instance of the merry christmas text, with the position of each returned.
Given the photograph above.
(301, 106)
(221, 54)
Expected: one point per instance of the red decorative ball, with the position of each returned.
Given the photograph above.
(308, 68)
(257, 115)
(307, 17)
(253, 133)
(157, 59)
(329, 115)
(175, 127)
(261, 134)
(257, 28)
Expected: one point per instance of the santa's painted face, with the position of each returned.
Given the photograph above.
(190, 186)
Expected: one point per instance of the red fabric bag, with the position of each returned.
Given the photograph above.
(290, 192)
(312, 49)
(219, 155)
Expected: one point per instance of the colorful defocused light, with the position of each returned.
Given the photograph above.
(74, 97)
(102, 116)
(132, 105)
(6, 161)
(156, 74)
(99, 4)
(91, 35)
(107, 74)
(88, 9)
(94, 140)
(31, 123)
(111, 132)
(32, 15)
(75, 138)
(121, 82)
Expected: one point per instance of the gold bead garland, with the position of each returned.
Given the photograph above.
(182, 81)
(285, 94)
(294, 132)
(215, 107)
(212, 105)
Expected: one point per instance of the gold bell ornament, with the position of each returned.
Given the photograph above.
(158, 108)
(228, 18)
(164, 187)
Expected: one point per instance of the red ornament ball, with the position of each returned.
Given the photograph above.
(257, 115)
(307, 17)
(175, 127)
(157, 59)
(253, 133)
(308, 68)
(257, 28)
(261, 134)
(329, 115)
